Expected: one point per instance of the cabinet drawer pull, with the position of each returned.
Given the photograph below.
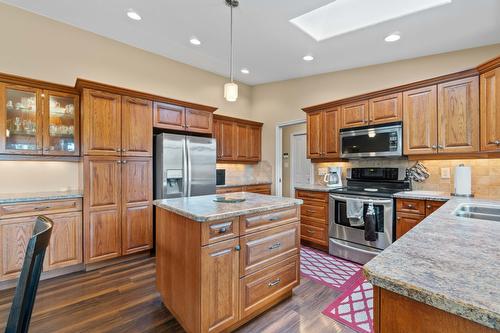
(221, 227)
(220, 253)
(310, 210)
(222, 230)
(42, 208)
(311, 231)
(497, 142)
(274, 283)
(275, 246)
(410, 206)
(429, 206)
(273, 218)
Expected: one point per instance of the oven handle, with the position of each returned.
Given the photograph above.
(375, 201)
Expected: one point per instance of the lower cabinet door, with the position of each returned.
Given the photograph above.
(262, 288)
(65, 247)
(405, 222)
(14, 237)
(219, 285)
(137, 229)
(102, 235)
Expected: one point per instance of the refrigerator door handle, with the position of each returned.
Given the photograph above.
(188, 169)
(185, 182)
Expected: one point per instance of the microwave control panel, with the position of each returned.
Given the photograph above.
(393, 141)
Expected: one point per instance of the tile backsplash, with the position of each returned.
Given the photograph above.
(247, 173)
(485, 173)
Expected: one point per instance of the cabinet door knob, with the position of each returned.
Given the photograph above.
(497, 142)
(410, 206)
(124, 161)
(429, 206)
(440, 146)
(399, 218)
(222, 230)
(117, 150)
(434, 147)
(237, 248)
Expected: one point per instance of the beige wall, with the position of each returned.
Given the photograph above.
(282, 101)
(286, 148)
(40, 48)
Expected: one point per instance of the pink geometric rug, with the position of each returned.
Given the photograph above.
(354, 308)
(331, 271)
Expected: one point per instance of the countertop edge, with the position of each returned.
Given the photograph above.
(245, 184)
(222, 216)
(41, 198)
(410, 195)
(479, 315)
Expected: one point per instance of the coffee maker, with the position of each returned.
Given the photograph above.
(333, 178)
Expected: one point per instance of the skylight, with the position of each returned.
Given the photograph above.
(343, 16)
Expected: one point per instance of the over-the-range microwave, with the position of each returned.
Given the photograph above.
(372, 141)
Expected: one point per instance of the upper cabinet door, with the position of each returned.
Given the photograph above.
(490, 110)
(137, 127)
(61, 124)
(20, 120)
(355, 114)
(254, 143)
(226, 140)
(169, 116)
(101, 123)
(331, 133)
(198, 121)
(315, 134)
(420, 121)
(386, 109)
(458, 120)
(242, 142)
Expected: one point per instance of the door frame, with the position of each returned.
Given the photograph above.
(279, 151)
(291, 158)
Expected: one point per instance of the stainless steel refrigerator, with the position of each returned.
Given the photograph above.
(185, 166)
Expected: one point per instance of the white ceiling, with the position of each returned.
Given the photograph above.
(265, 41)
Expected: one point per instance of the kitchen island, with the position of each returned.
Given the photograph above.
(442, 276)
(220, 264)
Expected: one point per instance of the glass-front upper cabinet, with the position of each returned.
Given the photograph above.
(61, 124)
(21, 120)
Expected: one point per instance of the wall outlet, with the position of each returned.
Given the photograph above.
(445, 173)
(322, 171)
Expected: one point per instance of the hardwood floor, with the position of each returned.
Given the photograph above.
(123, 298)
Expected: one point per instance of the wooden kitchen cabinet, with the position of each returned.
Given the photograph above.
(458, 116)
(137, 127)
(238, 140)
(420, 121)
(490, 110)
(180, 118)
(410, 212)
(102, 116)
(385, 109)
(354, 114)
(314, 218)
(323, 134)
(198, 121)
(16, 226)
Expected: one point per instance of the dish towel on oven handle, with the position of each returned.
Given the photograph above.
(370, 224)
(354, 212)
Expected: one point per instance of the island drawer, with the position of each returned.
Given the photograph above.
(410, 206)
(39, 207)
(261, 221)
(264, 248)
(232, 189)
(318, 196)
(318, 212)
(261, 288)
(314, 233)
(216, 231)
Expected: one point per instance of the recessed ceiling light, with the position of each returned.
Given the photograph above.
(245, 71)
(132, 14)
(342, 16)
(395, 36)
(308, 57)
(195, 41)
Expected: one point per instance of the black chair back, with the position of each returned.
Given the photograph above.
(24, 299)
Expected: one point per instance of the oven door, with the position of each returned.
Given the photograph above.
(371, 142)
(353, 230)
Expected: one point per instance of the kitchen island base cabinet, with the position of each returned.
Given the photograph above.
(201, 273)
(394, 313)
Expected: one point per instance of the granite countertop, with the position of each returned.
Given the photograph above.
(316, 188)
(264, 182)
(39, 196)
(204, 208)
(424, 195)
(449, 262)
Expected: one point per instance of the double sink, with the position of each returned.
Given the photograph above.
(478, 211)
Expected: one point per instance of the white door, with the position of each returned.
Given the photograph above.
(301, 167)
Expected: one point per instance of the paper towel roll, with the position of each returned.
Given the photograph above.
(463, 180)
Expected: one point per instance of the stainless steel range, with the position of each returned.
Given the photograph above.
(349, 205)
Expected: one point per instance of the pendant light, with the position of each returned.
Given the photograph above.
(231, 88)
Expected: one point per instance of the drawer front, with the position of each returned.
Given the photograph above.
(216, 231)
(314, 233)
(318, 196)
(313, 221)
(410, 206)
(222, 190)
(267, 247)
(431, 206)
(257, 222)
(318, 212)
(39, 207)
(261, 288)
(258, 188)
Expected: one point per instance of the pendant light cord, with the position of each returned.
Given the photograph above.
(231, 44)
